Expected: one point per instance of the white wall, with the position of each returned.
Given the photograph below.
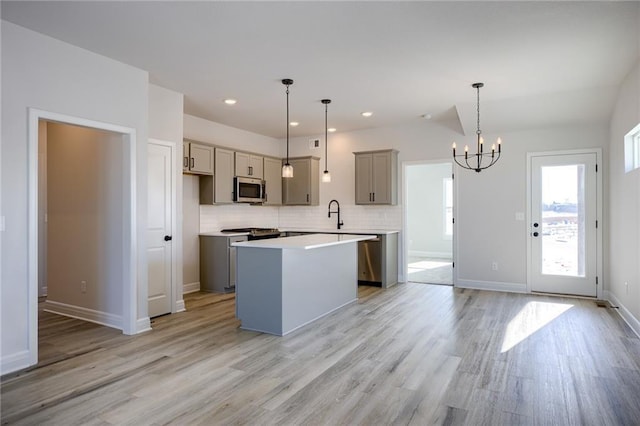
(44, 73)
(487, 201)
(85, 227)
(624, 205)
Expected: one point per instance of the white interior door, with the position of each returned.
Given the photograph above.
(563, 228)
(159, 227)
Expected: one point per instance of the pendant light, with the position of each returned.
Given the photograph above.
(287, 169)
(480, 154)
(326, 176)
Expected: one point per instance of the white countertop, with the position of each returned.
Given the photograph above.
(305, 242)
(343, 231)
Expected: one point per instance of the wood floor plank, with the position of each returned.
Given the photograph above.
(411, 354)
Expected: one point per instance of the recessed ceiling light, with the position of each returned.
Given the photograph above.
(230, 101)
(367, 114)
(331, 129)
(294, 124)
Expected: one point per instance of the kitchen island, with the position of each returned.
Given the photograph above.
(283, 284)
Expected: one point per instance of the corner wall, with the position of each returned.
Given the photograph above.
(47, 74)
(624, 206)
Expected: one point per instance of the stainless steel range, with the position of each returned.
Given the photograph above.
(255, 233)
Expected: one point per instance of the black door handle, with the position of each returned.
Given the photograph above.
(168, 237)
(535, 225)
(535, 234)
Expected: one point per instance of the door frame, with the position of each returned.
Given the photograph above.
(404, 253)
(176, 306)
(599, 207)
(129, 321)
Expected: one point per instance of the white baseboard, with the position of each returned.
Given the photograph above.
(143, 325)
(626, 315)
(14, 362)
(492, 286)
(191, 287)
(85, 314)
(180, 306)
(432, 254)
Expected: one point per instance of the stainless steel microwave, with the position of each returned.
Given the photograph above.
(248, 190)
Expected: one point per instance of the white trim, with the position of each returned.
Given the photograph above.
(492, 286)
(599, 211)
(626, 315)
(191, 287)
(143, 325)
(180, 307)
(129, 249)
(85, 314)
(15, 361)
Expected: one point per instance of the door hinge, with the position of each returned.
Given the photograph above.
(453, 264)
(596, 168)
(596, 224)
(596, 280)
(452, 176)
(453, 220)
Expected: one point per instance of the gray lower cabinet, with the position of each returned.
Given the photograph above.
(218, 263)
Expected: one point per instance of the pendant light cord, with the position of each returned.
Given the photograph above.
(287, 124)
(326, 138)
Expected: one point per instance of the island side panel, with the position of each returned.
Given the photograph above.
(316, 282)
(259, 289)
(389, 259)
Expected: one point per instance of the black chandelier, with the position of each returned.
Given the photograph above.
(474, 161)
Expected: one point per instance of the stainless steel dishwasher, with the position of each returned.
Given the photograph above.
(370, 262)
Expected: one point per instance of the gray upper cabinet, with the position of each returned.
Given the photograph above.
(273, 181)
(197, 159)
(303, 189)
(376, 177)
(218, 189)
(224, 176)
(249, 165)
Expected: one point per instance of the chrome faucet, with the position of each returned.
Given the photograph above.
(340, 223)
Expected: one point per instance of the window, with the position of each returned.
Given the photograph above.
(447, 190)
(632, 149)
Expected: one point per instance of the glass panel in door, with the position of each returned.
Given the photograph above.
(562, 235)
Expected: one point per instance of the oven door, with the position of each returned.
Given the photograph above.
(248, 190)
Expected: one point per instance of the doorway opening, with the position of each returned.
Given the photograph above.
(82, 222)
(429, 222)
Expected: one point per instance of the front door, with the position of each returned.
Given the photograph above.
(563, 228)
(159, 227)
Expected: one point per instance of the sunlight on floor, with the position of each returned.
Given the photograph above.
(531, 318)
(426, 264)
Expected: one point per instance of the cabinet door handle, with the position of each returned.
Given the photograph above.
(250, 170)
(192, 162)
(373, 196)
(307, 198)
(186, 162)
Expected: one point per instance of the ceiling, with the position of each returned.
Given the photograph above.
(543, 63)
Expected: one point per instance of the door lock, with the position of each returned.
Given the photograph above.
(535, 234)
(168, 237)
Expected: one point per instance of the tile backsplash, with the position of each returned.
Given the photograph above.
(214, 218)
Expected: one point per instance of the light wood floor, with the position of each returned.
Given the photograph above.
(413, 354)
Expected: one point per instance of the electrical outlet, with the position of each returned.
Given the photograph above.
(83, 286)
(494, 266)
